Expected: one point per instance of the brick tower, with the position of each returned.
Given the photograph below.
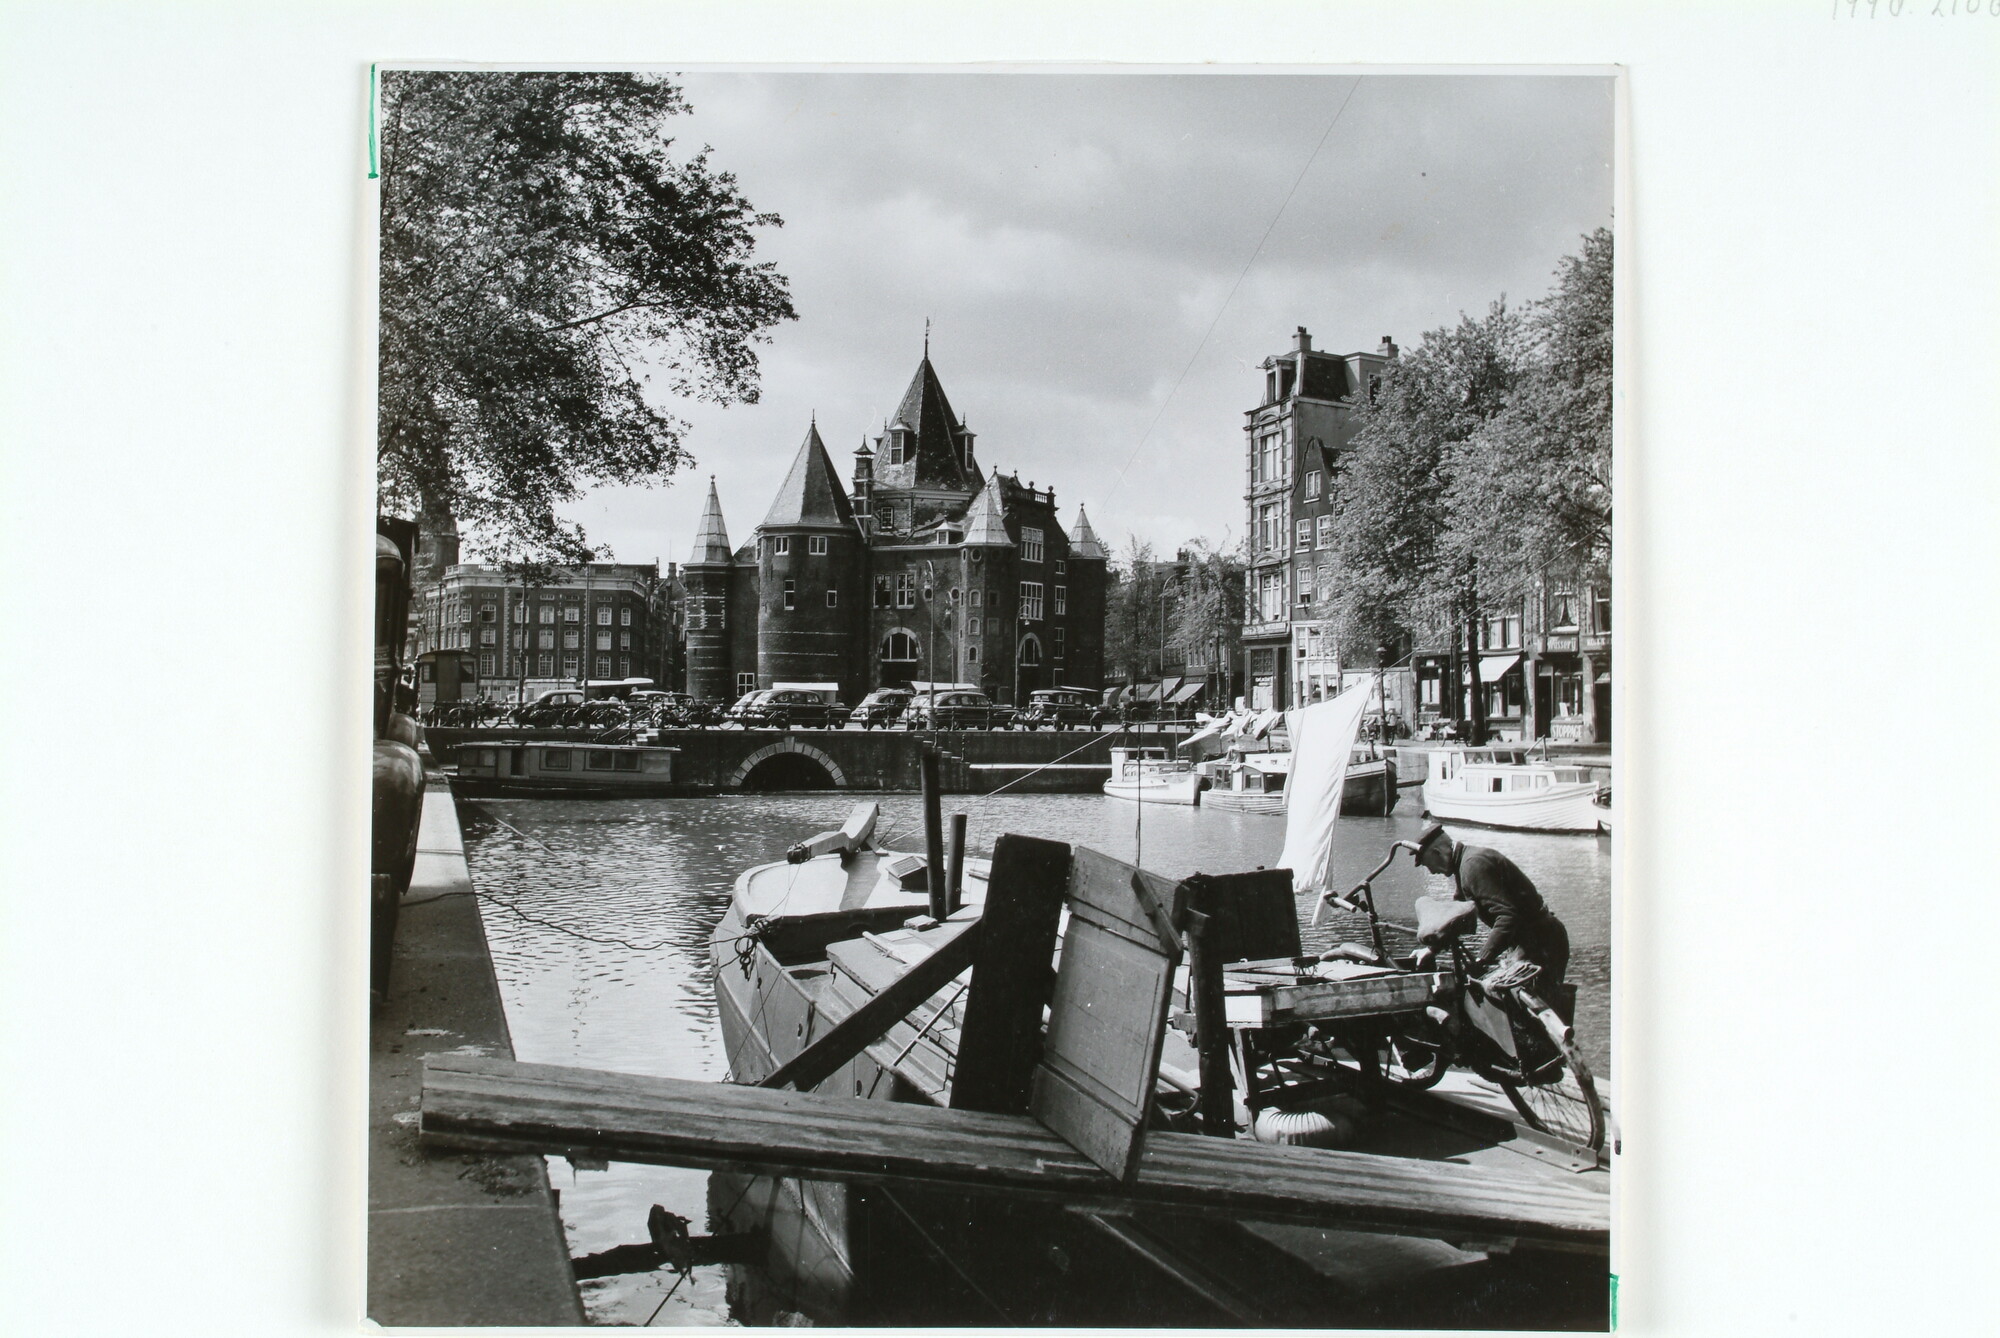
(809, 579)
(706, 579)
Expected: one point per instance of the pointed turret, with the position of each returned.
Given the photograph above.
(1083, 540)
(812, 493)
(711, 539)
(985, 519)
(925, 443)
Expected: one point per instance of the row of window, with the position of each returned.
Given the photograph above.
(901, 647)
(1033, 543)
(545, 665)
(1307, 530)
(546, 639)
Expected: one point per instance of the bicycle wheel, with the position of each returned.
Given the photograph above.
(1559, 1097)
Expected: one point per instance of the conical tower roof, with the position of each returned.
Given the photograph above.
(711, 540)
(985, 521)
(812, 493)
(927, 413)
(1083, 540)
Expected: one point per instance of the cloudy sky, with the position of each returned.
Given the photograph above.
(1105, 259)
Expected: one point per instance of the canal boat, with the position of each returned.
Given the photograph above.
(1255, 783)
(1507, 787)
(808, 941)
(1152, 776)
(556, 768)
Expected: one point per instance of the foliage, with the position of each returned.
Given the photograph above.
(1483, 463)
(1207, 604)
(543, 257)
(1401, 562)
(1132, 630)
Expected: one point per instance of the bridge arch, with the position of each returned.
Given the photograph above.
(804, 751)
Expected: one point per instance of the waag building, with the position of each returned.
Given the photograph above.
(922, 566)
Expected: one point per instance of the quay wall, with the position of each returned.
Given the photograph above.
(453, 1239)
(975, 761)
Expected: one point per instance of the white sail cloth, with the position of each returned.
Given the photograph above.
(1322, 744)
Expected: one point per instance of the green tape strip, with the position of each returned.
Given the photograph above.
(373, 173)
(1614, 1303)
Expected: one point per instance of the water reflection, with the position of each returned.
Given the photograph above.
(610, 971)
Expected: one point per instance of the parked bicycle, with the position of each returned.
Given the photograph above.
(1502, 1026)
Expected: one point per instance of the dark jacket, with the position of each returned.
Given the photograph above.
(1512, 909)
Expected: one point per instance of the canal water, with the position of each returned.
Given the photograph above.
(599, 912)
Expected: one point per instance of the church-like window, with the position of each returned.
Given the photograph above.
(1031, 652)
(906, 590)
(1031, 544)
(1031, 601)
(900, 646)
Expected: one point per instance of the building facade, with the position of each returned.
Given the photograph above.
(1293, 440)
(922, 566)
(596, 622)
(1544, 667)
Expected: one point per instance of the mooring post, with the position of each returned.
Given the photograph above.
(955, 891)
(934, 835)
(1211, 1023)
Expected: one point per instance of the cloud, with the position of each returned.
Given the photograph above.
(1074, 238)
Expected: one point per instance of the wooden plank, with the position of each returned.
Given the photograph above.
(865, 1025)
(1013, 974)
(1211, 1026)
(499, 1106)
(1094, 1085)
(1255, 913)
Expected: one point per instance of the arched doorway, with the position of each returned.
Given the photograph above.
(900, 655)
(1027, 668)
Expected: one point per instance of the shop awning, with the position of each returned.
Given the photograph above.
(1491, 667)
(1186, 692)
(1145, 692)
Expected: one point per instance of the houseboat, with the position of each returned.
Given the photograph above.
(1506, 787)
(1152, 776)
(556, 768)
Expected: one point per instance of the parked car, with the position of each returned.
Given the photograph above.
(956, 709)
(548, 708)
(788, 708)
(1061, 708)
(882, 707)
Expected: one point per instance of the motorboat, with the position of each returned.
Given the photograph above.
(555, 768)
(1508, 787)
(1152, 776)
(1249, 780)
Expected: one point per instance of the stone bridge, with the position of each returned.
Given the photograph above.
(974, 762)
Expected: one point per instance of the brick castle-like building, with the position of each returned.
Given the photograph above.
(923, 567)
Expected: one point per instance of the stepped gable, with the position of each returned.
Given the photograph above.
(927, 413)
(1083, 539)
(711, 538)
(985, 521)
(812, 494)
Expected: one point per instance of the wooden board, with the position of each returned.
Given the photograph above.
(1012, 975)
(1094, 1085)
(1253, 915)
(499, 1106)
(1271, 1004)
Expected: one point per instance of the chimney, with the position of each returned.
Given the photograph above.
(1301, 341)
(1388, 348)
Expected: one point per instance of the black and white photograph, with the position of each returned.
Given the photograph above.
(994, 698)
(1114, 667)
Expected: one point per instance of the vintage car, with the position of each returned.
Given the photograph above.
(1061, 708)
(882, 707)
(790, 706)
(956, 709)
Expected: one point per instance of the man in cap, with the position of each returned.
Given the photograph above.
(1506, 902)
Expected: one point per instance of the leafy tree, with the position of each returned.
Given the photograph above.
(1403, 566)
(1532, 491)
(1207, 602)
(1132, 629)
(543, 257)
